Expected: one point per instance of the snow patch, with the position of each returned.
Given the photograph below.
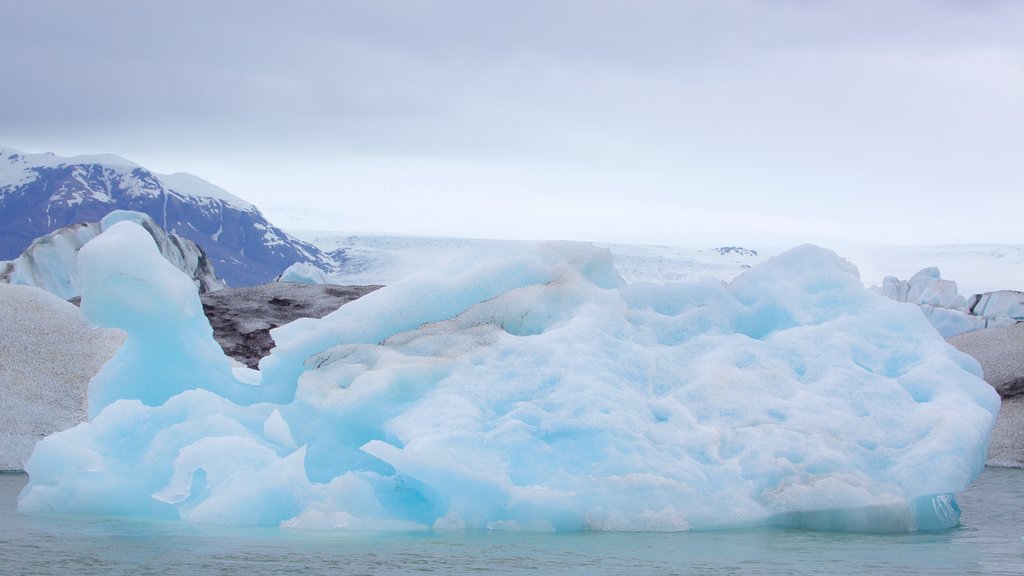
(196, 188)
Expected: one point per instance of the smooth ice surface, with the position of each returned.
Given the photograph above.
(999, 304)
(529, 388)
(303, 273)
(170, 348)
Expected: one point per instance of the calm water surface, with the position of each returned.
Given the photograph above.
(988, 542)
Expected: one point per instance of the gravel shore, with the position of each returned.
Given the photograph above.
(1000, 351)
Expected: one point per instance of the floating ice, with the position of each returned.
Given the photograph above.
(51, 262)
(949, 312)
(304, 273)
(529, 389)
(1007, 304)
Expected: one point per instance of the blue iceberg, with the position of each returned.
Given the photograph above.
(527, 387)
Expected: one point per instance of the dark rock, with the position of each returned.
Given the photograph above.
(243, 317)
(735, 250)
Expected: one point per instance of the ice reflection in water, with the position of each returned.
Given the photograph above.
(988, 542)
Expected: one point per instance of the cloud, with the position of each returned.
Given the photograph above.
(787, 107)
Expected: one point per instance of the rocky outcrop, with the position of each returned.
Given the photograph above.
(49, 353)
(51, 261)
(40, 193)
(735, 250)
(243, 317)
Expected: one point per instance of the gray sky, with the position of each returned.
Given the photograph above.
(680, 122)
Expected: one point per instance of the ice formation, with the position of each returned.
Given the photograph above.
(1007, 304)
(947, 310)
(304, 273)
(528, 389)
(51, 262)
(170, 346)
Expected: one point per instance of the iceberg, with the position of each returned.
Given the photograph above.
(527, 387)
(51, 261)
(948, 311)
(304, 273)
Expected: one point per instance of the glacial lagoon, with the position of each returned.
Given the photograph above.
(988, 541)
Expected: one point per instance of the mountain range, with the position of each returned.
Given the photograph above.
(40, 193)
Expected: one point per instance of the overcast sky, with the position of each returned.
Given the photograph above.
(679, 122)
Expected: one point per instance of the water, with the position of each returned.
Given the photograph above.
(988, 542)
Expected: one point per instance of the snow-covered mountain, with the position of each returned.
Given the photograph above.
(40, 193)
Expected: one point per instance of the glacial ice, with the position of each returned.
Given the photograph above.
(1007, 304)
(948, 311)
(304, 273)
(51, 262)
(527, 389)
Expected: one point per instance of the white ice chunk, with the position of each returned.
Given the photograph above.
(275, 429)
(303, 273)
(1000, 304)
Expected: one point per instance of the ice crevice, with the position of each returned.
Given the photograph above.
(527, 388)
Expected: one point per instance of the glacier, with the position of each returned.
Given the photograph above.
(526, 387)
